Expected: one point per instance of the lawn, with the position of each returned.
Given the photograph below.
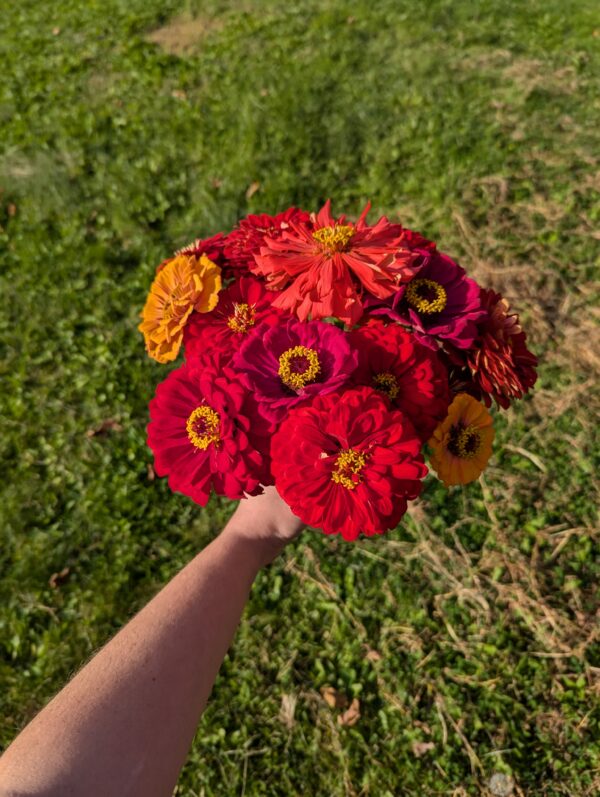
(469, 635)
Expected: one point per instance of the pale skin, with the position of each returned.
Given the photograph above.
(124, 724)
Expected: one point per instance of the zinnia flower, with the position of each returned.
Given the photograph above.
(211, 247)
(246, 239)
(185, 284)
(440, 302)
(242, 306)
(412, 376)
(462, 444)
(499, 363)
(346, 463)
(323, 268)
(286, 364)
(203, 432)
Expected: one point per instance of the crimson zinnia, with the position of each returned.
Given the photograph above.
(408, 373)
(347, 463)
(205, 434)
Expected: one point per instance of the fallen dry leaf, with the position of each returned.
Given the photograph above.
(351, 716)
(56, 579)
(252, 189)
(420, 748)
(109, 425)
(287, 710)
(333, 698)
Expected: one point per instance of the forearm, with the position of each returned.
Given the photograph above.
(124, 724)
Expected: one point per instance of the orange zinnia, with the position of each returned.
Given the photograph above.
(462, 444)
(186, 283)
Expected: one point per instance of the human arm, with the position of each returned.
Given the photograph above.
(125, 722)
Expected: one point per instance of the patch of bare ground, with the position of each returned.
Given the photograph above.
(184, 35)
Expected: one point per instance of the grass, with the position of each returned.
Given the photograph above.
(469, 635)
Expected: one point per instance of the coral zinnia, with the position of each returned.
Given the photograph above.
(185, 284)
(411, 375)
(246, 239)
(441, 302)
(347, 463)
(242, 306)
(499, 362)
(323, 268)
(288, 363)
(462, 444)
(202, 433)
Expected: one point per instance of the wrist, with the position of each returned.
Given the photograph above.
(259, 547)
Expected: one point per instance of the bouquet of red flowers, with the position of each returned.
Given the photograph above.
(326, 356)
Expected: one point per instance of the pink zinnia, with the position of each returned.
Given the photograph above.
(286, 364)
(412, 376)
(241, 308)
(246, 239)
(440, 303)
(322, 269)
(205, 433)
(348, 464)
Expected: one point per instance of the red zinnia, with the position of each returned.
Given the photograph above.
(323, 268)
(347, 463)
(499, 362)
(204, 433)
(245, 241)
(411, 375)
(242, 307)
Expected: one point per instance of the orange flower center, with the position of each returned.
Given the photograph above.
(334, 239)
(426, 296)
(465, 441)
(298, 367)
(242, 317)
(387, 383)
(203, 427)
(348, 466)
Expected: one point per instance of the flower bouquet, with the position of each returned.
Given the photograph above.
(327, 357)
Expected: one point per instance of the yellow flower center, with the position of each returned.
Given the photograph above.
(334, 239)
(203, 427)
(464, 442)
(348, 465)
(386, 383)
(298, 367)
(426, 296)
(242, 318)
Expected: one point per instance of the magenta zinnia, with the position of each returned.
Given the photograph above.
(439, 303)
(289, 363)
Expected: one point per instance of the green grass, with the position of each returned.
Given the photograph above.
(472, 627)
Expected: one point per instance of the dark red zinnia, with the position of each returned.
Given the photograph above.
(499, 363)
(346, 463)
(242, 306)
(246, 239)
(411, 375)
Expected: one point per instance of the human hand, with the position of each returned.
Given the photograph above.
(266, 520)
